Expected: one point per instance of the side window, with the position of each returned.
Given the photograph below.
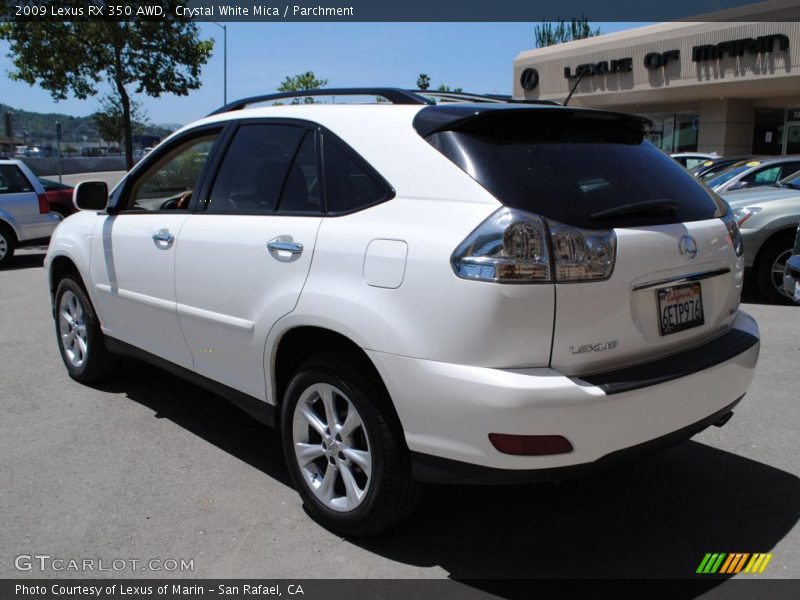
(13, 181)
(349, 184)
(256, 164)
(764, 176)
(168, 184)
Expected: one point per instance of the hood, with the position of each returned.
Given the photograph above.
(756, 196)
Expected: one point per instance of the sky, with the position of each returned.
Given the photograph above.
(474, 56)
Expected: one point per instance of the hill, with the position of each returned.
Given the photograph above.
(39, 129)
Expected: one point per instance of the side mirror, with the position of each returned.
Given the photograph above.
(90, 195)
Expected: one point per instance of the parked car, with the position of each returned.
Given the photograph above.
(25, 216)
(791, 277)
(692, 159)
(498, 293)
(709, 168)
(59, 197)
(753, 173)
(768, 217)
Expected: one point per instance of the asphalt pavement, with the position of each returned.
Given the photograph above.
(147, 466)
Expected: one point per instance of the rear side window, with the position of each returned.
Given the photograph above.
(350, 184)
(13, 181)
(254, 169)
(572, 166)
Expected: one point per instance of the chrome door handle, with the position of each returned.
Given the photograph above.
(284, 248)
(290, 247)
(163, 235)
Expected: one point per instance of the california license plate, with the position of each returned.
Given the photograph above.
(680, 307)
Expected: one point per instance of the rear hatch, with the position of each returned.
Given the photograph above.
(666, 273)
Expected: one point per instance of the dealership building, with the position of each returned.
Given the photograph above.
(726, 83)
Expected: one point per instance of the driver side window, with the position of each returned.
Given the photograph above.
(168, 184)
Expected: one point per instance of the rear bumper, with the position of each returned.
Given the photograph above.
(447, 411)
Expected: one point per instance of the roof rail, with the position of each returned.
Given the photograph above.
(393, 95)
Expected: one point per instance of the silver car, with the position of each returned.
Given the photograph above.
(756, 172)
(768, 218)
(25, 216)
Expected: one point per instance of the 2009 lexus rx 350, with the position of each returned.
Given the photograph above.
(489, 292)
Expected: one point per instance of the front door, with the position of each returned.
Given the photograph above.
(133, 251)
(243, 257)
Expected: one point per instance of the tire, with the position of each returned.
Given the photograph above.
(80, 340)
(60, 210)
(775, 252)
(368, 458)
(8, 243)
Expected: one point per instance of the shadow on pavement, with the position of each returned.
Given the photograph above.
(204, 414)
(652, 519)
(24, 261)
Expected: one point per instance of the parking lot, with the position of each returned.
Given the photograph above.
(147, 466)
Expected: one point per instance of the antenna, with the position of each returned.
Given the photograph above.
(574, 87)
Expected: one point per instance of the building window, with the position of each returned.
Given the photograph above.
(768, 131)
(674, 132)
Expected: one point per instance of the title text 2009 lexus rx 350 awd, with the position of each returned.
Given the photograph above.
(489, 292)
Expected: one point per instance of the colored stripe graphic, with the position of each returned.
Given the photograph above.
(734, 562)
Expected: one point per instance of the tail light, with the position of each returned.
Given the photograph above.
(734, 234)
(514, 246)
(44, 207)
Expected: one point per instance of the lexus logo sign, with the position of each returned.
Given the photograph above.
(529, 79)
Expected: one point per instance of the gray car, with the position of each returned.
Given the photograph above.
(791, 276)
(751, 173)
(768, 218)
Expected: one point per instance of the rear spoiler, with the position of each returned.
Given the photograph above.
(451, 117)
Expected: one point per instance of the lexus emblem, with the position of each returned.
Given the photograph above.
(529, 79)
(687, 247)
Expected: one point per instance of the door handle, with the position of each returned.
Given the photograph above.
(164, 236)
(284, 249)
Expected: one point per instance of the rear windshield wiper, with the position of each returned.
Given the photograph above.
(637, 209)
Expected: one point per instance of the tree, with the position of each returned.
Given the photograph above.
(576, 29)
(151, 57)
(423, 81)
(110, 119)
(443, 87)
(303, 81)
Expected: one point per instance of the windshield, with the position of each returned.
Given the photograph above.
(573, 168)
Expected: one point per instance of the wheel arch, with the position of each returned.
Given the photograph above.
(298, 343)
(8, 224)
(786, 230)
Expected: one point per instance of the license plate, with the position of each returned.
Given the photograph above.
(680, 307)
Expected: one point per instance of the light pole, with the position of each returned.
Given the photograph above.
(224, 61)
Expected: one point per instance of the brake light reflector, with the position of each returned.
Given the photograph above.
(530, 445)
(44, 208)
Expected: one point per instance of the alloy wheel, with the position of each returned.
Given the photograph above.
(3, 246)
(777, 270)
(72, 328)
(331, 447)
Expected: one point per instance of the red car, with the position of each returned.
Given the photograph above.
(59, 197)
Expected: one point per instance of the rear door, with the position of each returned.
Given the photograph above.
(242, 259)
(644, 264)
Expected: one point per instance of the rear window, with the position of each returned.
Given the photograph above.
(570, 166)
(12, 181)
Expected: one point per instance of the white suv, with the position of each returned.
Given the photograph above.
(487, 292)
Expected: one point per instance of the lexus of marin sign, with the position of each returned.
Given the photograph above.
(656, 60)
